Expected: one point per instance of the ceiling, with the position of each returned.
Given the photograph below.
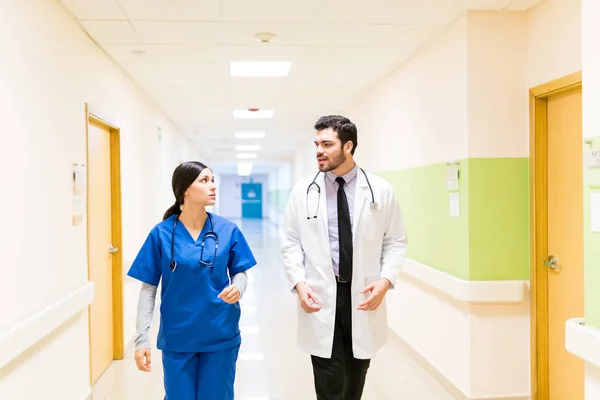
(179, 51)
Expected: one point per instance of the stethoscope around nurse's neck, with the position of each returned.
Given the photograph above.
(209, 234)
(318, 188)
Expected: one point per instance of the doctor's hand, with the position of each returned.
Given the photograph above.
(308, 299)
(230, 294)
(378, 290)
(142, 360)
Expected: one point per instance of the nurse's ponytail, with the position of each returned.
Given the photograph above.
(184, 175)
(174, 209)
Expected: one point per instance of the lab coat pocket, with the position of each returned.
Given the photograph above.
(372, 225)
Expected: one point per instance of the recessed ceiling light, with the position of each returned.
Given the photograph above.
(247, 147)
(246, 155)
(244, 169)
(249, 135)
(253, 113)
(260, 68)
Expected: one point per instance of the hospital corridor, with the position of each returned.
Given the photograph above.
(300, 199)
(270, 366)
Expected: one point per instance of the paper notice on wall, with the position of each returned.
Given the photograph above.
(595, 211)
(452, 177)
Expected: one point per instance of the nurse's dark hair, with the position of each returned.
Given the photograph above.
(184, 175)
(345, 129)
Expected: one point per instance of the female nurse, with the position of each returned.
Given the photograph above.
(200, 259)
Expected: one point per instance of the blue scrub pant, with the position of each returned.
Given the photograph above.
(200, 376)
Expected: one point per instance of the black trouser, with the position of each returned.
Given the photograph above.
(341, 377)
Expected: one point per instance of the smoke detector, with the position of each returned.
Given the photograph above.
(265, 37)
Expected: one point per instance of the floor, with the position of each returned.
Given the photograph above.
(270, 367)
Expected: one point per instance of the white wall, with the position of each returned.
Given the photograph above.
(465, 94)
(554, 40)
(496, 84)
(418, 115)
(280, 184)
(591, 125)
(49, 68)
(304, 162)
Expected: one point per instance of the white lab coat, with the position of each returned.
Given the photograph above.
(380, 241)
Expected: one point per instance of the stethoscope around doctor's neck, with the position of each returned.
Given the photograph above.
(315, 184)
(209, 234)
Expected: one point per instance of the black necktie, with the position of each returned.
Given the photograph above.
(344, 232)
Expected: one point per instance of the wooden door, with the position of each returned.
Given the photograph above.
(99, 247)
(565, 241)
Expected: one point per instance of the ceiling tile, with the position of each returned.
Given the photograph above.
(288, 34)
(270, 10)
(364, 11)
(178, 74)
(171, 10)
(163, 53)
(257, 93)
(265, 53)
(95, 9)
(486, 4)
(207, 33)
(523, 4)
(105, 32)
(364, 35)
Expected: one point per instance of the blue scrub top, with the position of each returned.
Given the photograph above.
(192, 317)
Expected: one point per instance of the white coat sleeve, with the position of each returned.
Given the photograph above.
(394, 241)
(292, 253)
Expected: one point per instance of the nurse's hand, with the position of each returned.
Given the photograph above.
(142, 359)
(230, 294)
(308, 299)
(378, 290)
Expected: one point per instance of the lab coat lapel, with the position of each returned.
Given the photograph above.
(360, 197)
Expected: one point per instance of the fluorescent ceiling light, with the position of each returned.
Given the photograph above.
(260, 68)
(246, 155)
(252, 114)
(249, 135)
(244, 169)
(247, 147)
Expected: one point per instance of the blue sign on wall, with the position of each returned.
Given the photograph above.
(252, 200)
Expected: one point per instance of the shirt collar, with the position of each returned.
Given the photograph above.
(348, 176)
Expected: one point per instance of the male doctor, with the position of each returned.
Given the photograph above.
(343, 245)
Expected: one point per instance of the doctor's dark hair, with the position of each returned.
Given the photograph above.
(184, 175)
(345, 129)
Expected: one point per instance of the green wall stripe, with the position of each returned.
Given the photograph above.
(490, 239)
(499, 218)
(434, 238)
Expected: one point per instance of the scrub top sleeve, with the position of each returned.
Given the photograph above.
(240, 256)
(147, 264)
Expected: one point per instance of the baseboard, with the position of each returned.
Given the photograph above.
(437, 376)
(26, 333)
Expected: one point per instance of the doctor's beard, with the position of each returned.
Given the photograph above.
(334, 162)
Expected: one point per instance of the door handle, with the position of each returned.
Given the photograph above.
(551, 262)
(112, 249)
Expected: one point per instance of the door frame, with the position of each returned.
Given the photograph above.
(116, 231)
(538, 183)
